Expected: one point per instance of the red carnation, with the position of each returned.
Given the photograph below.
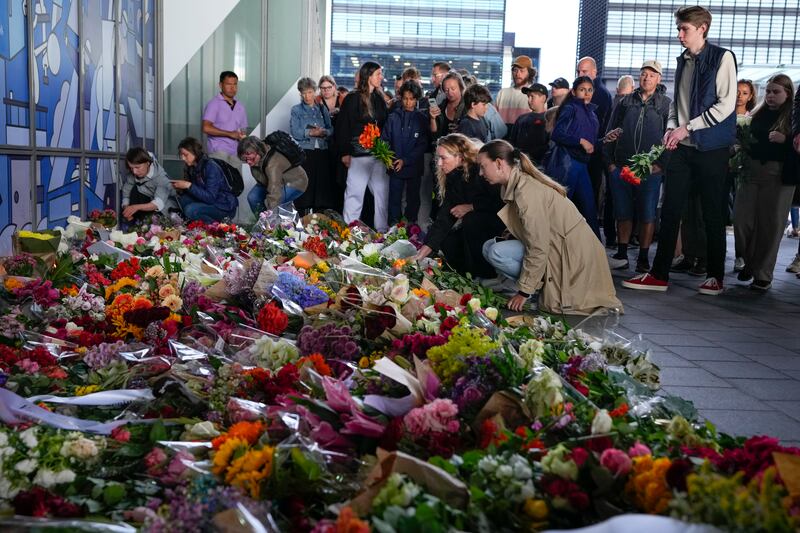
(272, 319)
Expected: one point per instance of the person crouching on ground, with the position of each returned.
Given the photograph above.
(554, 252)
(146, 187)
(277, 181)
(203, 194)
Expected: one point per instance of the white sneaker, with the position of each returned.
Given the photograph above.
(738, 264)
(677, 260)
(618, 264)
(795, 265)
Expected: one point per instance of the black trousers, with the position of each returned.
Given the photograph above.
(691, 171)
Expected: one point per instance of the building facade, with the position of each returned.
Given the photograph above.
(622, 34)
(466, 33)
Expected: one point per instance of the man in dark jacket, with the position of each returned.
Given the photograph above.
(602, 98)
(700, 131)
(637, 123)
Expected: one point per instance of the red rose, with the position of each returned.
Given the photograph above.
(579, 455)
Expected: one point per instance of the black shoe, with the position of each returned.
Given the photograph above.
(642, 265)
(745, 274)
(760, 285)
(699, 269)
(684, 266)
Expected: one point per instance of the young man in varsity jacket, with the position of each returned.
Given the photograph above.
(700, 130)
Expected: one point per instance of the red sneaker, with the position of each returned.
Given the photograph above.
(711, 287)
(645, 282)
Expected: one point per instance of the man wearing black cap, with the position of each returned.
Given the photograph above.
(559, 90)
(529, 132)
(510, 101)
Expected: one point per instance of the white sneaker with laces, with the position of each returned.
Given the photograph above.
(794, 266)
(738, 264)
(677, 260)
(618, 264)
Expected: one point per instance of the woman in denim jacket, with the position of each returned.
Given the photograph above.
(310, 125)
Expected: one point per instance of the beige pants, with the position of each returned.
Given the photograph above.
(759, 214)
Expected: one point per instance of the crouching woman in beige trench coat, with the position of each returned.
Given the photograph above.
(554, 251)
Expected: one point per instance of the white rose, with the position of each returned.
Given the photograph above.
(602, 422)
(26, 466)
(370, 249)
(29, 437)
(505, 471)
(491, 313)
(7, 492)
(474, 304)
(65, 476)
(399, 291)
(45, 477)
(522, 471)
(3, 439)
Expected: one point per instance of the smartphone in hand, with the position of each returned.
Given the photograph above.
(432, 102)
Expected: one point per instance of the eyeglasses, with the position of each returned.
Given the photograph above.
(325, 87)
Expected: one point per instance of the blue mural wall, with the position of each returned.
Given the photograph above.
(112, 40)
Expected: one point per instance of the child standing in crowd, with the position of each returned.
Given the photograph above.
(764, 198)
(476, 102)
(529, 132)
(365, 105)
(574, 138)
(408, 133)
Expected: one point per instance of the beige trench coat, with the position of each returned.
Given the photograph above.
(563, 258)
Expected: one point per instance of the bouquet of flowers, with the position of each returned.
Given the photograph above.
(740, 160)
(641, 165)
(370, 139)
(106, 218)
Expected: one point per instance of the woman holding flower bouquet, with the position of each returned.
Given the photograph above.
(364, 106)
(765, 197)
(554, 251)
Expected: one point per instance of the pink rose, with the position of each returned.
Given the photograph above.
(639, 449)
(120, 434)
(154, 461)
(616, 461)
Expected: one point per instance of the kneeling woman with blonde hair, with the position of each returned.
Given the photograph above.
(555, 251)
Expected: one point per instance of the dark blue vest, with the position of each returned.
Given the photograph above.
(704, 95)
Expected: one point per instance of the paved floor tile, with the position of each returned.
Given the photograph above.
(693, 377)
(668, 359)
(678, 340)
(707, 353)
(790, 408)
(772, 389)
(755, 348)
(717, 398)
(700, 325)
(749, 423)
(778, 362)
(729, 369)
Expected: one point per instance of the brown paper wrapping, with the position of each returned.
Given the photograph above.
(505, 405)
(788, 466)
(435, 480)
(218, 291)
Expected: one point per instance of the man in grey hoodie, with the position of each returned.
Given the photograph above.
(146, 188)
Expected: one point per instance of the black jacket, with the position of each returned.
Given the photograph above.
(643, 125)
(475, 190)
(353, 117)
(529, 134)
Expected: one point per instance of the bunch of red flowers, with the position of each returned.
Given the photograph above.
(261, 385)
(41, 502)
(316, 246)
(126, 269)
(272, 319)
(628, 176)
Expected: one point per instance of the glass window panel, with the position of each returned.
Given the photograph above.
(131, 97)
(150, 74)
(57, 191)
(101, 188)
(15, 199)
(14, 104)
(55, 73)
(99, 88)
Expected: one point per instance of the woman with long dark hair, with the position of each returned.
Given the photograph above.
(468, 212)
(365, 105)
(765, 196)
(203, 194)
(553, 251)
(572, 145)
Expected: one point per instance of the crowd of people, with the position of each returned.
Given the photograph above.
(514, 190)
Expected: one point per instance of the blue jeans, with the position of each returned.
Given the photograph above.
(258, 194)
(505, 256)
(579, 190)
(645, 196)
(194, 210)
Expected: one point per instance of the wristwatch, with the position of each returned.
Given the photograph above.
(689, 127)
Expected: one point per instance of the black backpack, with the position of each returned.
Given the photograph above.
(285, 144)
(232, 176)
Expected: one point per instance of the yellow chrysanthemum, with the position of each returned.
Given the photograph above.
(87, 389)
(223, 456)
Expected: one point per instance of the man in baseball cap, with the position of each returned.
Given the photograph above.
(560, 88)
(529, 132)
(510, 102)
